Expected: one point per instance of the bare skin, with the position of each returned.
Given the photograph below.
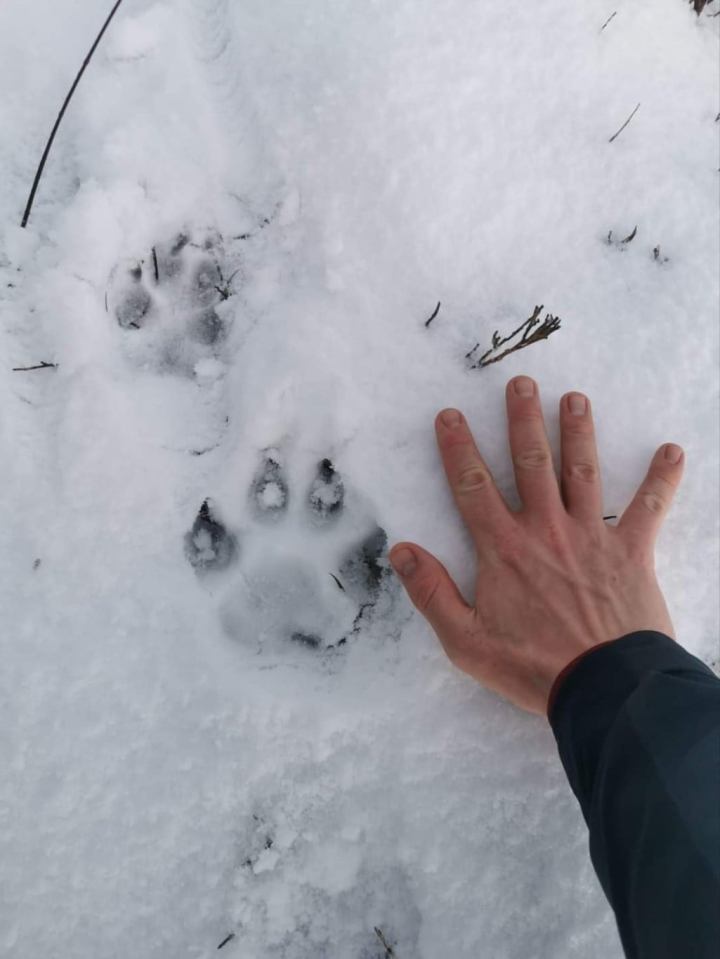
(553, 579)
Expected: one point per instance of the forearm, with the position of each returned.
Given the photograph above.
(637, 722)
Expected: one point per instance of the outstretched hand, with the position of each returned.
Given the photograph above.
(553, 579)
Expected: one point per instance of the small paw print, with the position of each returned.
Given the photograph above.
(171, 303)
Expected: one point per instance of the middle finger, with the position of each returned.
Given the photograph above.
(531, 454)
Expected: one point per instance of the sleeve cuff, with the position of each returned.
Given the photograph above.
(609, 672)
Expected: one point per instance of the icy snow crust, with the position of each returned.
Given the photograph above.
(169, 779)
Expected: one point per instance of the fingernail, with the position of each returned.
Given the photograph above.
(673, 453)
(450, 418)
(524, 386)
(578, 404)
(404, 561)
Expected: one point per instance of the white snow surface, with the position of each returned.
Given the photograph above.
(167, 780)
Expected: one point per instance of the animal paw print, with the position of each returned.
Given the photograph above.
(312, 570)
(174, 301)
(372, 914)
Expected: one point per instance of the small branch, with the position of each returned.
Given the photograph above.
(630, 237)
(40, 366)
(266, 221)
(226, 940)
(624, 242)
(155, 265)
(389, 951)
(548, 326)
(608, 21)
(616, 135)
(435, 312)
(68, 98)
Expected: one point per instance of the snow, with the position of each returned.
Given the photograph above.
(360, 162)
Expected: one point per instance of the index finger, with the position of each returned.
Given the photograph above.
(476, 496)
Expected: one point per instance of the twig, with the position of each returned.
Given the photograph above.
(608, 21)
(435, 312)
(548, 326)
(630, 237)
(155, 265)
(389, 951)
(39, 366)
(615, 135)
(609, 517)
(60, 115)
(226, 940)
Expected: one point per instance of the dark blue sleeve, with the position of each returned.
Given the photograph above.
(637, 723)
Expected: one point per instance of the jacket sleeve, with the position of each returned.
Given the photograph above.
(637, 723)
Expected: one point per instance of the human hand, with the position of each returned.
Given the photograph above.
(553, 579)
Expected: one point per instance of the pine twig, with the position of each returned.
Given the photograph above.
(40, 366)
(616, 135)
(548, 326)
(68, 98)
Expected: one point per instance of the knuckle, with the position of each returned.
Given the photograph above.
(664, 480)
(455, 439)
(578, 427)
(472, 478)
(557, 537)
(584, 471)
(425, 594)
(652, 501)
(508, 547)
(655, 496)
(528, 414)
(533, 458)
(638, 552)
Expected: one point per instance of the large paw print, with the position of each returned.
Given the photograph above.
(312, 570)
(172, 303)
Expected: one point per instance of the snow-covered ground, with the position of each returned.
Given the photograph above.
(175, 769)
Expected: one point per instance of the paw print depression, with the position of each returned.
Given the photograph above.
(307, 572)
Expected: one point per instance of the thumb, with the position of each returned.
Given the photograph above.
(431, 589)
